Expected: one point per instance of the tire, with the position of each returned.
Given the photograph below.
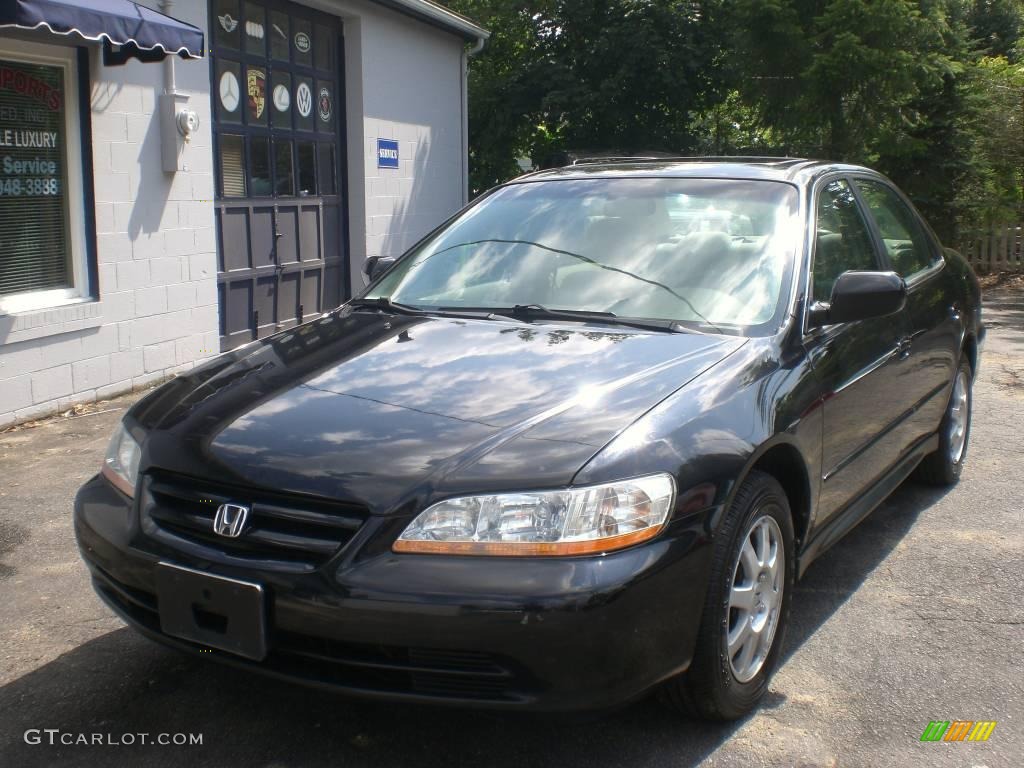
(943, 467)
(719, 685)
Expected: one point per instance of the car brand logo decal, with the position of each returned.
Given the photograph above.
(304, 99)
(282, 99)
(324, 105)
(257, 82)
(230, 520)
(254, 29)
(229, 24)
(302, 43)
(229, 91)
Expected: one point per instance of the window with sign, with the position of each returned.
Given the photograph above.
(42, 231)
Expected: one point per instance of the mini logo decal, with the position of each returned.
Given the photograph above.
(324, 105)
(229, 24)
(304, 99)
(230, 520)
(302, 42)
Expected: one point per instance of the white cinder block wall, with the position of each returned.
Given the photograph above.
(412, 94)
(155, 240)
(155, 247)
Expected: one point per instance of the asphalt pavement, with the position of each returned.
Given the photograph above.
(917, 615)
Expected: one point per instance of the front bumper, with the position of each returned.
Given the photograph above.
(558, 634)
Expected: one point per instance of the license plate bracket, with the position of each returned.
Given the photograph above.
(212, 610)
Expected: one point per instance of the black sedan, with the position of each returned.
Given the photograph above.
(574, 446)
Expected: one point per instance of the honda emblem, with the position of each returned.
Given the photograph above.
(230, 519)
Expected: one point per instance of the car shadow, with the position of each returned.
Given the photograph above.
(120, 683)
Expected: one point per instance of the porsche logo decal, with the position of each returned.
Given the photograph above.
(257, 86)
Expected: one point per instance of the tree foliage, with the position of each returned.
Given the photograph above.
(592, 75)
(928, 91)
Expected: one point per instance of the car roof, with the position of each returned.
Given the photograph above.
(788, 169)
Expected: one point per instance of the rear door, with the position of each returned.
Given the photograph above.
(932, 316)
(858, 364)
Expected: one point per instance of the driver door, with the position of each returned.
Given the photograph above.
(857, 364)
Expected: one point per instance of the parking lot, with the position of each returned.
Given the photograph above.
(916, 616)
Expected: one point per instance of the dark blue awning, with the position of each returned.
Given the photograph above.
(114, 22)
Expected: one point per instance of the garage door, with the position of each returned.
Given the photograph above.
(277, 96)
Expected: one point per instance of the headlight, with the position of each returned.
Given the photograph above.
(574, 521)
(121, 466)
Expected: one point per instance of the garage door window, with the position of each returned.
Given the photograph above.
(42, 240)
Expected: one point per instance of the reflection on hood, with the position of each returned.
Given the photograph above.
(371, 408)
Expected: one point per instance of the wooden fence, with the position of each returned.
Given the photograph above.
(998, 249)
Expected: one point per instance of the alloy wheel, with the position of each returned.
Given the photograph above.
(755, 599)
(959, 413)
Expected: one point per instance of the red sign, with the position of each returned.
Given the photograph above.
(27, 85)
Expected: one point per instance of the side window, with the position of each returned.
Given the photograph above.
(909, 248)
(843, 242)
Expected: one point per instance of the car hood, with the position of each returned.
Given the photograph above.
(389, 410)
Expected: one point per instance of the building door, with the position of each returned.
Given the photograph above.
(277, 94)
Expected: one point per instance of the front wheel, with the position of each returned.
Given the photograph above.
(747, 607)
(943, 467)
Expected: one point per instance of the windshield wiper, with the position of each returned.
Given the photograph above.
(385, 304)
(539, 311)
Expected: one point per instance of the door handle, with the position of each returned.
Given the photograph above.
(903, 347)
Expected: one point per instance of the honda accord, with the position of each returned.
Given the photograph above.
(574, 446)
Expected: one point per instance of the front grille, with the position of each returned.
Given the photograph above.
(296, 533)
(466, 676)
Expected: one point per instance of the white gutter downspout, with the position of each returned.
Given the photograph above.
(466, 54)
(177, 121)
(170, 87)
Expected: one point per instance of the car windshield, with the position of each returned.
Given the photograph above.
(704, 252)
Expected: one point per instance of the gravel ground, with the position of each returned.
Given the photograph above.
(915, 616)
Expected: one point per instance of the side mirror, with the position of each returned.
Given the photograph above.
(861, 296)
(375, 266)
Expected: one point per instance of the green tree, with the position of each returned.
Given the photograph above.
(926, 91)
(622, 76)
(992, 192)
(506, 85)
(996, 26)
(836, 78)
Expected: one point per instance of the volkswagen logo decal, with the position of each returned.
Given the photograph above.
(230, 519)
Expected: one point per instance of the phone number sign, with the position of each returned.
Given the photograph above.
(31, 130)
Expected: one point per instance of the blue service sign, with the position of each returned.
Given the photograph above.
(387, 153)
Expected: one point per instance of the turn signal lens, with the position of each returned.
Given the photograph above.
(574, 521)
(121, 465)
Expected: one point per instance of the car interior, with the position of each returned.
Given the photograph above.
(633, 256)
